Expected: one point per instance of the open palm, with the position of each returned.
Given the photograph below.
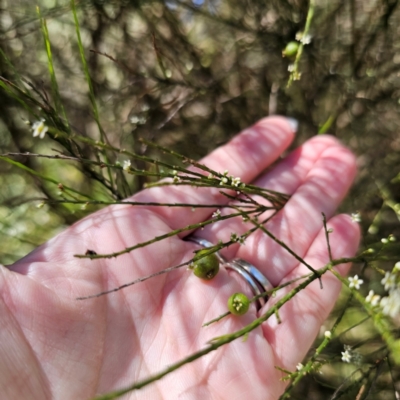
(54, 346)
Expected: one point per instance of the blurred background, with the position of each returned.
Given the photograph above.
(189, 75)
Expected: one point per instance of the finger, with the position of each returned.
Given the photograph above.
(297, 224)
(302, 317)
(245, 156)
(285, 177)
(318, 174)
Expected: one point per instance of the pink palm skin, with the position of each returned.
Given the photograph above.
(53, 346)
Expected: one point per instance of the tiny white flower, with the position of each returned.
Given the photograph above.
(356, 217)
(290, 67)
(176, 179)
(226, 172)
(373, 298)
(127, 165)
(210, 176)
(306, 39)
(216, 214)
(389, 281)
(346, 356)
(39, 129)
(241, 239)
(396, 266)
(392, 238)
(299, 366)
(384, 240)
(355, 282)
(236, 181)
(224, 181)
(328, 334)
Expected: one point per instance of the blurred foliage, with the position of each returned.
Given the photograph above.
(189, 75)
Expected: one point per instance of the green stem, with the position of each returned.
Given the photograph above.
(156, 239)
(215, 343)
(295, 74)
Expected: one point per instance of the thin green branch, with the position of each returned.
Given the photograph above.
(17, 94)
(327, 236)
(157, 238)
(312, 364)
(145, 278)
(141, 203)
(44, 177)
(217, 342)
(248, 188)
(285, 246)
(90, 84)
(295, 74)
(54, 85)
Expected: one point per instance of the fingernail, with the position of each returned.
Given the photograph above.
(294, 124)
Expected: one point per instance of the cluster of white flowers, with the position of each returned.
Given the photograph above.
(390, 304)
(373, 298)
(230, 180)
(302, 38)
(391, 238)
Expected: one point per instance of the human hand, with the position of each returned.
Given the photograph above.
(54, 346)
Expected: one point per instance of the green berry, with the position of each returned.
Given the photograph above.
(290, 50)
(205, 267)
(238, 304)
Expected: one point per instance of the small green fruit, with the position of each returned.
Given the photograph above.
(238, 304)
(290, 50)
(207, 266)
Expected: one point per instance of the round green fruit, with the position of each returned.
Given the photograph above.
(207, 266)
(290, 50)
(238, 304)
